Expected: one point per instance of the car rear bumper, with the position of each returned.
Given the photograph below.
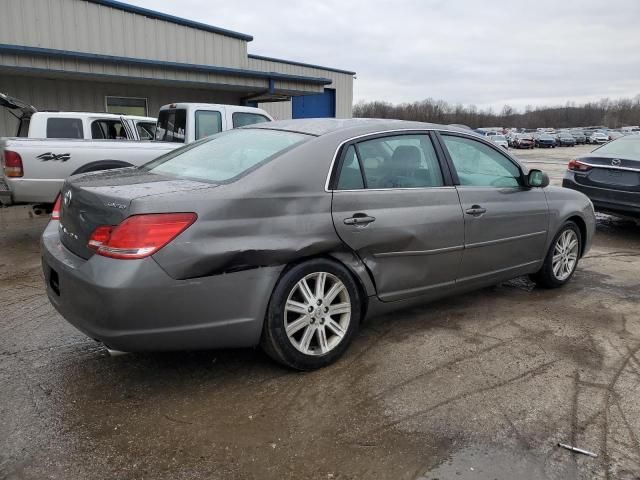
(133, 305)
(604, 199)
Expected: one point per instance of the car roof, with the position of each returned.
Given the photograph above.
(360, 126)
(114, 116)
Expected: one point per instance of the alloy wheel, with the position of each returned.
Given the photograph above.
(565, 255)
(317, 313)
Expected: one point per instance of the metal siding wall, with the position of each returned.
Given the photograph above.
(342, 82)
(132, 71)
(89, 96)
(278, 110)
(82, 26)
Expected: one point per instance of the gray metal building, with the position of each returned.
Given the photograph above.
(104, 55)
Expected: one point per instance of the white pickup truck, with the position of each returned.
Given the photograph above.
(34, 169)
(77, 125)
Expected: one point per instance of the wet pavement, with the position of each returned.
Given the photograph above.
(479, 386)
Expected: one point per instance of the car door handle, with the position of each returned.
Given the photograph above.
(359, 219)
(475, 210)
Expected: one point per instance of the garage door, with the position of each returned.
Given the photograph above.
(316, 105)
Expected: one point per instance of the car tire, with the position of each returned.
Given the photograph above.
(562, 259)
(315, 338)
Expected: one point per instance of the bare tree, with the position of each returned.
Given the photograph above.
(607, 112)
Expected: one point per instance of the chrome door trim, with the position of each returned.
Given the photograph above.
(419, 131)
(415, 253)
(505, 239)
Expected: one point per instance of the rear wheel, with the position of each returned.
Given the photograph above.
(562, 258)
(313, 315)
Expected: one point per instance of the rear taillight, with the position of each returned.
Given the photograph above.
(578, 166)
(12, 164)
(55, 213)
(139, 235)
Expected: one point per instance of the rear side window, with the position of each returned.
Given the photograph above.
(240, 119)
(479, 165)
(171, 125)
(350, 176)
(108, 130)
(64, 128)
(400, 161)
(223, 157)
(146, 130)
(208, 122)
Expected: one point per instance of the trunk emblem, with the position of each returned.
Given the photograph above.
(67, 198)
(116, 205)
(616, 162)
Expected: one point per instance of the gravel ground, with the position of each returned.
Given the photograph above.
(480, 386)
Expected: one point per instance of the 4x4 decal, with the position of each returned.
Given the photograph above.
(46, 157)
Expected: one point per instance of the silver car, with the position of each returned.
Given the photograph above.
(289, 234)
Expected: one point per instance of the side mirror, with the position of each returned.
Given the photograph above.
(537, 178)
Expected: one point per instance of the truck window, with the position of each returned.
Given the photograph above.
(64, 128)
(108, 130)
(208, 122)
(171, 125)
(146, 130)
(240, 119)
(23, 127)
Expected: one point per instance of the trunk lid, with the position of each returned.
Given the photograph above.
(105, 198)
(611, 173)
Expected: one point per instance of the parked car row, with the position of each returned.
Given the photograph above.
(550, 138)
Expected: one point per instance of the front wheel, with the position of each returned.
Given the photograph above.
(562, 258)
(313, 315)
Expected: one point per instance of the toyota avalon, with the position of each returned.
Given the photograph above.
(288, 234)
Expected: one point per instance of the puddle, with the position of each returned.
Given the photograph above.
(488, 464)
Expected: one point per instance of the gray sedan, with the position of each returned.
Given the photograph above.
(288, 234)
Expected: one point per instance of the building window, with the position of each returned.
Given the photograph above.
(127, 105)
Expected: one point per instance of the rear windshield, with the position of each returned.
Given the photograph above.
(223, 157)
(624, 147)
(171, 125)
(64, 128)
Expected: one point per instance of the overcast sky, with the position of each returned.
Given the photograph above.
(486, 53)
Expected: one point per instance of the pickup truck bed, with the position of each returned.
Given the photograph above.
(47, 163)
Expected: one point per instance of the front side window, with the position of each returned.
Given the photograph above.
(241, 119)
(64, 128)
(399, 161)
(208, 122)
(171, 125)
(108, 130)
(479, 165)
(225, 156)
